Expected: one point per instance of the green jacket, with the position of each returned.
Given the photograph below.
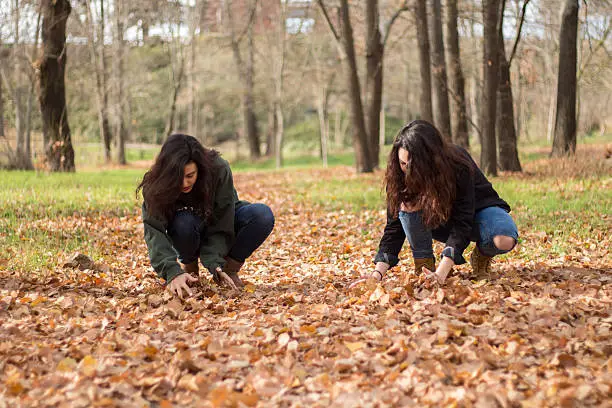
(220, 235)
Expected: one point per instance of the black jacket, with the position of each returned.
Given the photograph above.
(474, 192)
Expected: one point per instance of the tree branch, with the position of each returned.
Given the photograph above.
(329, 23)
(249, 21)
(518, 32)
(392, 21)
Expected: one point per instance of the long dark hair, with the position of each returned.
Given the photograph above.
(161, 185)
(429, 183)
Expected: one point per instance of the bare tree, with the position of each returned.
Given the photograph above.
(176, 52)
(441, 106)
(15, 78)
(506, 130)
(118, 64)
(564, 142)
(246, 72)
(97, 50)
(365, 139)
(425, 105)
(279, 70)
(457, 81)
(52, 97)
(363, 154)
(491, 18)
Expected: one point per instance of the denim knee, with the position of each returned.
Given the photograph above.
(492, 222)
(262, 216)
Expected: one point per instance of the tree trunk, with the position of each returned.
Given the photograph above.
(279, 72)
(506, 132)
(374, 75)
(338, 134)
(441, 107)
(176, 89)
(564, 142)
(457, 81)
(28, 131)
(425, 105)
(252, 132)
(2, 134)
(323, 114)
(363, 155)
(59, 151)
(271, 131)
(488, 155)
(121, 130)
(98, 61)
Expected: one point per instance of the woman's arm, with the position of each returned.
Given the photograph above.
(161, 253)
(220, 232)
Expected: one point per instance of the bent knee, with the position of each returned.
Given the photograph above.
(264, 215)
(504, 243)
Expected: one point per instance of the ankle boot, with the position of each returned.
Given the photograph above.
(191, 268)
(231, 268)
(481, 264)
(419, 263)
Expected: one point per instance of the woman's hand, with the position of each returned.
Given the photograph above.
(179, 284)
(442, 271)
(224, 279)
(378, 273)
(374, 275)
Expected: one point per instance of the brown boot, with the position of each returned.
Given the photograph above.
(481, 264)
(231, 268)
(419, 263)
(191, 268)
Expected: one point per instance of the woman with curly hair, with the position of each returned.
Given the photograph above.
(191, 210)
(435, 190)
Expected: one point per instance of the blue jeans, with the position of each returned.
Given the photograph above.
(488, 223)
(252, 225)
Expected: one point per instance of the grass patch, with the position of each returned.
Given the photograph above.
(33, 207)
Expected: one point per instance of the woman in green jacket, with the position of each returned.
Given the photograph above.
(191, 210)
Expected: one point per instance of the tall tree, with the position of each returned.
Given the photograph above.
(374, 75)
(365, 138)
(52, 97)
(441, 106)
(457, 81)
(119, 68)
(564, 142)
(491, 18)
(364, 161)
(506, 129)
(279, 72)
(176, 53)
(246, 73)
(97, 51)
(425, 103)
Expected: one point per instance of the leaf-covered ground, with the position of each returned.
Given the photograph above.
(536, 334)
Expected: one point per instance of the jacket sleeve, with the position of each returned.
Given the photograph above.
(461, 218)
(220, 232)
(161, 253)
(391, 242)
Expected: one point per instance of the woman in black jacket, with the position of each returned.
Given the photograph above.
(436, 191)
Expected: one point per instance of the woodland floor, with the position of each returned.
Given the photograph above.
(536, 334)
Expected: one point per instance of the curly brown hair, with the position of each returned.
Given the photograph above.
(429, 183)
(161, 185)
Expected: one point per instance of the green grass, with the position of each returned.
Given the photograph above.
(32, 203)
(34, 206)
